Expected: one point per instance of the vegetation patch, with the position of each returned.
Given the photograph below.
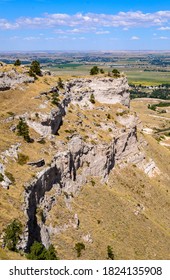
(12, 233)
(39, 252)
(22, 159)
(1, 177)
(10, 177)
(79, 247)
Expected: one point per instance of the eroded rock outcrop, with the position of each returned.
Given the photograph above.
(11, 78)
(105, 90)
(69, 171)
(79, 161)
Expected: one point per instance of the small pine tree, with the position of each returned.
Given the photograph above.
(94, 70)
(39, 252)
(116, 73)
(32, 74)
(101, 71)
(17, 62)
(60, 83)
(92, 98)
(110, 253)
(55, 99)
(12, 234)
(35, 68)
(23, 130)
(79, 247)
(1, 177)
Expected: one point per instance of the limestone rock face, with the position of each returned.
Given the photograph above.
(49, 124)
(5, 182)
(11, 78)
(79, 161)
(70, 169)
(106, 90)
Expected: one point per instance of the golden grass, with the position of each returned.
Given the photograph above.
(106, 211)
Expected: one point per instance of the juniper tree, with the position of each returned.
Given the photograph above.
(23, 130)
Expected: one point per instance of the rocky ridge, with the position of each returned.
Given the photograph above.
(105, 90)
(9, 79)
(78, 161)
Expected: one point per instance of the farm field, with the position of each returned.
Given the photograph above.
(145, 68)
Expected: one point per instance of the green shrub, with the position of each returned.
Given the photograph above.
(92, 98)
(108, 116)
(79, 247)
(94, 70)
(17, 62)
(35, 68)
(54, 98)
(116, 73)
(1, 177)
(60, 83)
(23, 130)
(39, 252)
(10, 177)
(110, 253)
(22, 159)
(12, 234)
(93, 183)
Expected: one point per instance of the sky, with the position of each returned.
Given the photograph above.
(84, 25)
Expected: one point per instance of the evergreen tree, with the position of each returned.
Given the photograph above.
(35, 68)
(55, 99)
(23, 130)
(110, 253)
(79, 247)
(60, 83)
(17, 62)
(12, 233)
(116, 73)
(101, 71)
(94, 70)
(92, 98)
(39, 252)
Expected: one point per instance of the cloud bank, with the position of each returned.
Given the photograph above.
(89, 22)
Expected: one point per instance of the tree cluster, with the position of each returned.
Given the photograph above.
(12, 233)
(39, 252)
(96, 70)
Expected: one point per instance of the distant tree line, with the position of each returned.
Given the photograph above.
(95, 70)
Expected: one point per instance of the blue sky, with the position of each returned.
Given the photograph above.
(84, 25)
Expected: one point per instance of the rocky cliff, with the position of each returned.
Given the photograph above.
(9, 79)
(78, 161)
(83, 142)
(105, 90)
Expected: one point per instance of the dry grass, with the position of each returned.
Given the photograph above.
(106, 211)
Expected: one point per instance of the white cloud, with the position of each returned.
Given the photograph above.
(31, 38)
(87, 21)
(135, 38)
(164, 28)
(4, 24)
(49, 38)
(14, 38)
(163, 38)
(102, 32)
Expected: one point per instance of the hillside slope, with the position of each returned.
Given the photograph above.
(89, 174)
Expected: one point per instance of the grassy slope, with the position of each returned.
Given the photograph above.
(106, 212)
